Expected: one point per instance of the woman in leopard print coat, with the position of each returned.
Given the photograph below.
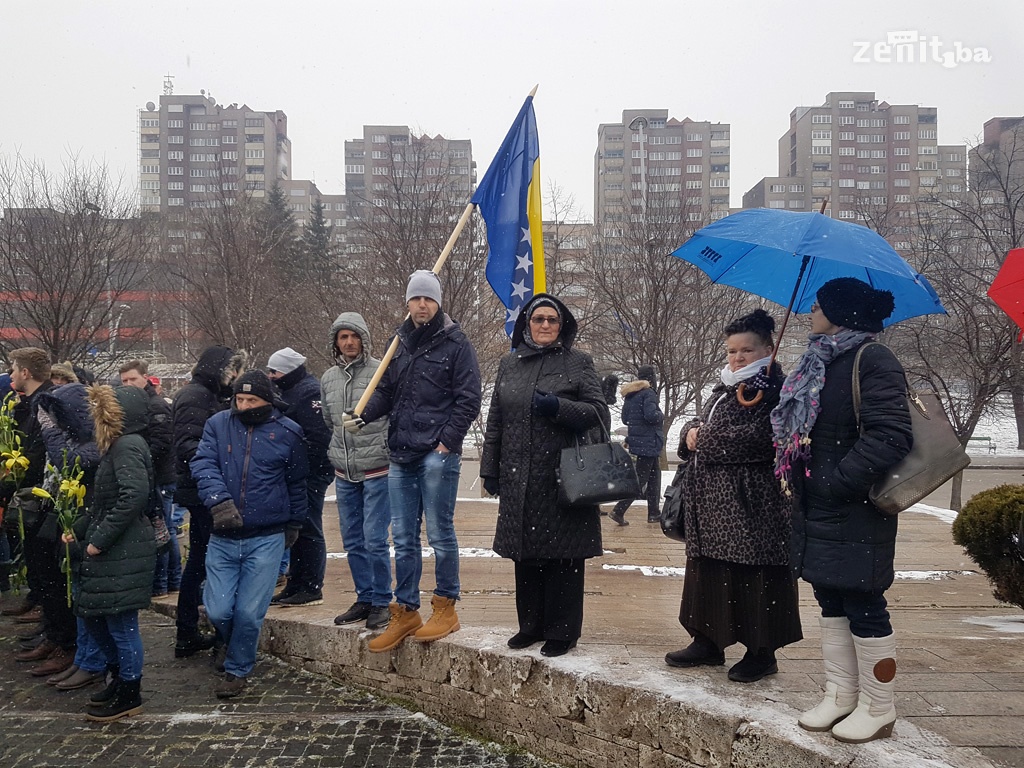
(738, 586)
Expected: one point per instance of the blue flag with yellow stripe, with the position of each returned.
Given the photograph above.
(509, 200)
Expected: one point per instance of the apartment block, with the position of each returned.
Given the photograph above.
(999, 158)
(864, 156)
(660, 172)
(196, 153)
(301, 195)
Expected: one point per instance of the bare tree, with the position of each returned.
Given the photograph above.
(72, 247)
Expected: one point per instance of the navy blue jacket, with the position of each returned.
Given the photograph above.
(262, 468)
(640, 412)
(431, 390)
(300, 391)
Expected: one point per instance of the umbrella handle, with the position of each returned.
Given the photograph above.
(741, 398)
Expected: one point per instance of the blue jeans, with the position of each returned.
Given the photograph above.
(364, 514)
(88, 656)
(240, 578)
(167, 576)
(425, 488)
(119, 638)
(309, 553)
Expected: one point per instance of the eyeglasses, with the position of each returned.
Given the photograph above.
(542, 320)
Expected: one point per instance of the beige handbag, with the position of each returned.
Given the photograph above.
(935, 457)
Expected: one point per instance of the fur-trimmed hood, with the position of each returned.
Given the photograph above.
(634, 386)
(116, 412)
(218, 366)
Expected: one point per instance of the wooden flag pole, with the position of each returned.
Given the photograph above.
(386, 360)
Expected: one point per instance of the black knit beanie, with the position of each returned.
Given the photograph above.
(852, 303)
(255, 383)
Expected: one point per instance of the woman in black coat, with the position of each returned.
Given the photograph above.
(546, 395)
(842, 544)
(738, 586)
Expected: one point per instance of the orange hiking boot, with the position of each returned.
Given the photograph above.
(404, 621)
(442, 622)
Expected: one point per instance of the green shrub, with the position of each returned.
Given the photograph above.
(989, 529)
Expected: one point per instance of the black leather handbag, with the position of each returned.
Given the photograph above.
(673, 519)
(596, 473)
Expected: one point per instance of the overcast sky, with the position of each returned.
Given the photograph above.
(73, 73)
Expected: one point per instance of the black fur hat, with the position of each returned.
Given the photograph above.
(852, 303)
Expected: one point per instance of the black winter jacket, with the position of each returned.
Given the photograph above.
(522, 449)
(197, 401)
(431, 390)
(840, 539)
(643, 417)
(33, 447)
(160, 436)
(300, 391)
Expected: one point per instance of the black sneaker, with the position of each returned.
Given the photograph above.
(557, 647)
(190, 645)
(302, 598)
(754, 666)
(359, 611)
(699, 653)
(379, 617)
(522, 640)
(286, 592)
(619, 518)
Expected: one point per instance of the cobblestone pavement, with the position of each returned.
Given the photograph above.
(285, 718)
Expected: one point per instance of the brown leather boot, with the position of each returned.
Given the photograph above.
(443, 621)
(38, 653)
(404, 621)
(58, 661)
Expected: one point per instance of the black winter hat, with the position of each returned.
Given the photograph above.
(254, 383)
(647, 373)
(852, 303)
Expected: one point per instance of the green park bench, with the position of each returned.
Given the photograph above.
(984, 439)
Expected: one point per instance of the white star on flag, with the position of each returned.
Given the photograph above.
(519, 290)
(525, 262)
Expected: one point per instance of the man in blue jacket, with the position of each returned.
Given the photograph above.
(431, 391)
(300, 391)
(250, 470)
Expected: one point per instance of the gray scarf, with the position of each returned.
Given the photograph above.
(800, 400)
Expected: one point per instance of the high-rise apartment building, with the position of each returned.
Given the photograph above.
(196, 153)
(659, 171)
(998, 161)
(301, 195)
(866, 157)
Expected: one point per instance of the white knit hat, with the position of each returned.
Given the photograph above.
(285, 360)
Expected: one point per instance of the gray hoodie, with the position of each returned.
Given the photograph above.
(342, 385)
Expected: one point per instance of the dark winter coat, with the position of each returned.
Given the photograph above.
(261, 467)
(300, 391)
(120, 578)
(840, 540)
(33, 447)
(431, 390)
(643, 417)
(160, 437)
(343, 384)
(522, 449)
(68, 431)
(734, 507)
(207, 393)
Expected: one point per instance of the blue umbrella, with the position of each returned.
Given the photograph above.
(786, 256)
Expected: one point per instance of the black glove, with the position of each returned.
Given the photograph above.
(291, 535)
(226, 516)
(492, 485)
(545, 404)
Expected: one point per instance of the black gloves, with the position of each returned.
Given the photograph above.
(226, 516)
(291, 535)
(492, 486)
(545, 404)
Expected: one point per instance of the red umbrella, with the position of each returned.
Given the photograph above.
(1007, 290)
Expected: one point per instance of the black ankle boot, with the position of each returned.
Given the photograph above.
(107, 693)
(754, 666)
(125, 702)
(191, 644)
(700, 653)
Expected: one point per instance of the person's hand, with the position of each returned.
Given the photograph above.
(92, 550)
(226, 516)
(291, 535)
(67, 538)
(442, 448)
(691, 439)
(545, 404)
(492, 486)
(352, 422)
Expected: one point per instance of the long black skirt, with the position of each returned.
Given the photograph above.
(756, 605)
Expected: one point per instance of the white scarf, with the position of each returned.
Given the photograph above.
(732, 378)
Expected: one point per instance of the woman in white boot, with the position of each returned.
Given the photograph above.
(842, 544)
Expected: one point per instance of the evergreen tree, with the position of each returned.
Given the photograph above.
(318, 255)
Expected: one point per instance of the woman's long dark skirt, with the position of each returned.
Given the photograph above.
(756, 605)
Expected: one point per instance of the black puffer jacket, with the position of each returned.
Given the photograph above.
(522, 449)
(207, 393)
(840, 540)
(642, 415)
(300, 391)
(120, 578)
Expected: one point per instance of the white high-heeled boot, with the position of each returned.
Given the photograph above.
(841, 688)
(875, 713)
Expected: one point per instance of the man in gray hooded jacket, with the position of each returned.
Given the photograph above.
(361, 472)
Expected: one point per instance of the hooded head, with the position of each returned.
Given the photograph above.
(648, 374)
(354, 322)
(68, 406)
(852, 303)
(116, 412)
(567, 336)
(218, 366)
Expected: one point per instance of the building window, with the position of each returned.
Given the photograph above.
(151, 185)
(901, 182)
(149, 122)
(229, 139)
(847, 215)
(927, 150)
(695, 184)
(175, 123)
(847, 183)
(901, 136)
(847, 151)
(229, 155)
(901, 150)
(254, 154)
(355, 169)
(845, 135)
(695, 153)
(229, 124)
(821, 134)
(694, 168)
(926, 134)
(197, 126)
(379, 138)
(150, 169)
(719, 182)
(674, 139)
(955, 157)
(253, 122)
(175, 139)
(901, 120)
(821, 149)
(796, 187)
(776, 203)
(695, 137)
(821, 118)
(846, 105)
(796, 203)
(379, 170)
(175, 201)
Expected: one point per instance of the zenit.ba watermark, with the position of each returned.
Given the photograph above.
(911, 47)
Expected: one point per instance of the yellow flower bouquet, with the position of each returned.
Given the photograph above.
(68, 496)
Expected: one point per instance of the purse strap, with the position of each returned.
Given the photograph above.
(911, 397)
